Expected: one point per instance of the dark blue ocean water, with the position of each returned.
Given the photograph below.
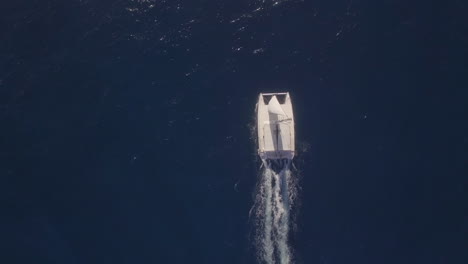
(126, 129)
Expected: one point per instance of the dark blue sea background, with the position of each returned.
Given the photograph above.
(127, 129)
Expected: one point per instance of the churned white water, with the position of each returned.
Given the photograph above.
(276, 192)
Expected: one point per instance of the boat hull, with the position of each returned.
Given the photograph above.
(275, 127)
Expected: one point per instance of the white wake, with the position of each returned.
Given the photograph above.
(276, 192)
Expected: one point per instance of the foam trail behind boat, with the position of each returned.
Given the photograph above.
(272, 212)
(267, 237)
(282, 216)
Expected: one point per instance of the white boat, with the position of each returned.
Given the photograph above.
(275, 126)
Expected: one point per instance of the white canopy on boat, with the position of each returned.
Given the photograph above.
(274, 107)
